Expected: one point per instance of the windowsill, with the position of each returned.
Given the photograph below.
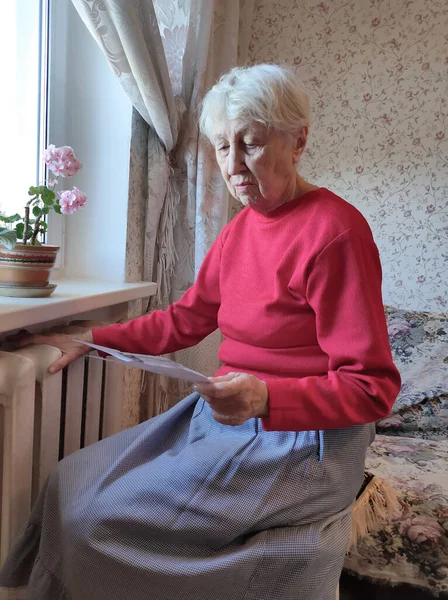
(72, 296)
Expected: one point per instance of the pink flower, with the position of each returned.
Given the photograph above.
(398, 328)
(386, 118)
(367, 97)
(375, 22)
(407, 213)
(359, 169)
(410, 94)
(344, 102)
(62, 161)
(322, 6)
(440, 135)
(352, 29)
(421, 278)
(425, 66)
(422, 529)
(419, 18)
(71, 200)
(297, 60)
(430, 208)
(337, 57)
(416, 141)
(400, 68)
(398, 283)
(337, 175)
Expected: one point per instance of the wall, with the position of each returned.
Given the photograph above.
(90, 112)
(377, 72)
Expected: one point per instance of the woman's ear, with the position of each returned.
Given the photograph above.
(300, 143)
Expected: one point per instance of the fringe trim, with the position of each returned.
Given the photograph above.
(377, 505)
(165, 240)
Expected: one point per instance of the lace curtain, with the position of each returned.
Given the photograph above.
(166, 54)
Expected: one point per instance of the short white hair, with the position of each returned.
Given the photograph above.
(268, 94)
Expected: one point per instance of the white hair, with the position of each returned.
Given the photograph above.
(267, 94)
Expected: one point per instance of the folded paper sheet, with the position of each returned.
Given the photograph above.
(153, 364)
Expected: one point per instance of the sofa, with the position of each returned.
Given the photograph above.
(410, 454)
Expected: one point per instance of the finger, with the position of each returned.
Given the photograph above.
(220, 390)
(64, 361)
(232, 420)
(20, 341)
(221, 378)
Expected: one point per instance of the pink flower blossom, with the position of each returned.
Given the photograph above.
(322, 6)
(410, 94)
(407, 213)
(400, 68)
(62, 161)
(359, 169)
(421, 529)
(398, 328)
(419, 18)
(398, 283)
(416, 141)
(344, 102)
(440, 135)
(337, 175)
(71, 200)
(386, 118)
(421, 278)
(375, 22)
(327, 30)
(352, 29)
(425, 66)
(430, 208)
(367, 97)
(297, 60)
(337, 58)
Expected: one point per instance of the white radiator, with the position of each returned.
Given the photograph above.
(45, 417)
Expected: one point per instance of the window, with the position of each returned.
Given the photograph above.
(23, 118)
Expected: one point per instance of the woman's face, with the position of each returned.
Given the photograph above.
(258, 164)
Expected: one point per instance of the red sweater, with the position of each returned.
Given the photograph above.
(297, 296)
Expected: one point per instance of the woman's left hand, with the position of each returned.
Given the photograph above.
(235, 398)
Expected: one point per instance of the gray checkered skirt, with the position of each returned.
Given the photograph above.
(184, 508)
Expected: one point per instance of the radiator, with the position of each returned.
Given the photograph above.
(44, 418)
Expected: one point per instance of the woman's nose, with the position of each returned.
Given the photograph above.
(235, 161)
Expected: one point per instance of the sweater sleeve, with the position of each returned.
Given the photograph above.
(184, 323)
(344, 290)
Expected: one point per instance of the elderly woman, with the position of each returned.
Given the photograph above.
(243, 490)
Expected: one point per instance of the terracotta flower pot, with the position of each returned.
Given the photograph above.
(27, 266)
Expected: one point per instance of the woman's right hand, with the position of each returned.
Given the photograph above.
(70, 349)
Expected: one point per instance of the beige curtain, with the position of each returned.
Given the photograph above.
(167, 53)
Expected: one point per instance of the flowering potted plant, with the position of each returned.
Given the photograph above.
(24, 261)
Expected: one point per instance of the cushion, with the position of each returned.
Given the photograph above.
(419, 342)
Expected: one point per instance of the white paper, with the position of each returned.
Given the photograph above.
(153, 364)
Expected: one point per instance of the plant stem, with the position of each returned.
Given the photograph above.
(27, 222)
(36, 230)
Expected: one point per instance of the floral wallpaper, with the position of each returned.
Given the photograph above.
(377, 72)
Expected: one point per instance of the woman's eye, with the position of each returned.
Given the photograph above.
(249, 145)
(222, 148)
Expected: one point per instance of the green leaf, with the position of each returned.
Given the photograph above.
(57, 209)
(8, 238)
(42, 189)
(37, 243)
(43, 227)
(11, 219)
(33, 191)
(45, 210)
(37, 212)
(19, 229)
(48, 194)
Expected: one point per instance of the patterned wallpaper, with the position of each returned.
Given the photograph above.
(377, 71)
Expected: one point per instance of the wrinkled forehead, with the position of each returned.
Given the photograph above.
(231, 129)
